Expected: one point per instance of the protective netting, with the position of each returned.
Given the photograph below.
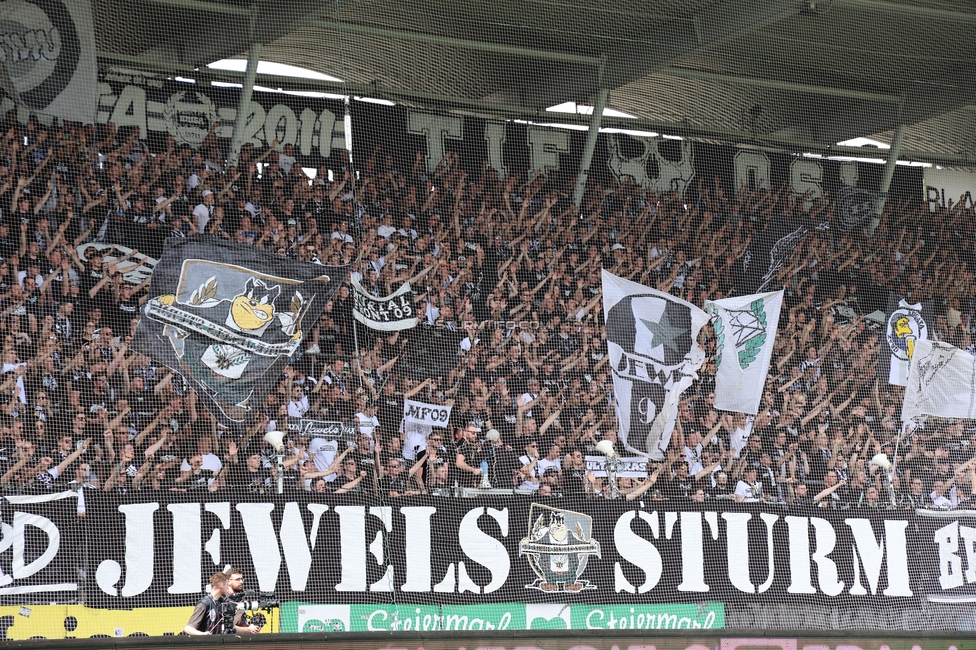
(430, 380)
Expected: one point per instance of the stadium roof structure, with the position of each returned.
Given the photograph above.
(788, 73)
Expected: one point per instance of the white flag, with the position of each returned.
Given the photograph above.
(941, 382)
(652, 339)
(49, 60)
(432, 415)
(745, 328)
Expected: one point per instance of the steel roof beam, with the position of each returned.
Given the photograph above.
(466, 44)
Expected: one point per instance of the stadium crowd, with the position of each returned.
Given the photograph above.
(505, 276)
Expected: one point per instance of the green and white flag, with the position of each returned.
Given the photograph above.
(745, 328)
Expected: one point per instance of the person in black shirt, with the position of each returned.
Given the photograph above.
(206, 618)
(365, 459)
(469, 456)
(250, 475)
(394, 484)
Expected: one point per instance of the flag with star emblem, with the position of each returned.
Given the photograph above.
(652, 339)
(745, 328)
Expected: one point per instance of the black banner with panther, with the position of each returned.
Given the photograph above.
(228, 327)
(348, 549)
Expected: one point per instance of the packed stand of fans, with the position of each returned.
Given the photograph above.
(506, 280)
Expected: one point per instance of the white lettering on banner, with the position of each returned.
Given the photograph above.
(269, 546)
(737, 545)
(417, 536)
(13, 535)
(436, 129)
(806, 176)
(140, 558)
(848, 172)
(800, 581)
(693, 553)
(871, 551)
(947, 187)
(545, 145)
(189, 116)
(752, 169)
(951, 574)
(638, 551)
(187, 577)
(495, 137)
(484, 550)
(130, 109)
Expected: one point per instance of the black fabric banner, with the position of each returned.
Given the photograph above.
(227, 326)
(317, 548)
(392, 137)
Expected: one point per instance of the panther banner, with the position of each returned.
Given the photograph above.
(48, 59)
(652, 338)
(905, 324)
(340, 549)
(745, 329)
(390, 314)
(229, 327)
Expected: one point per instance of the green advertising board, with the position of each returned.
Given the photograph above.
(297, 616)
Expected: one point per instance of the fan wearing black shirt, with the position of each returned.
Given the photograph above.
(469, 456)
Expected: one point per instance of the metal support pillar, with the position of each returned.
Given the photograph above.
(591, 135)
(242, 106)
(889, 173)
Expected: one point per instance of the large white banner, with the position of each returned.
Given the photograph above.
(745, 328)
(941, 382)
(652, 339)
(433, 415)
(943, 186)
(47, 51)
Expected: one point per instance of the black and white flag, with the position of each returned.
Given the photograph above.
(652, 338)
(905, 325)
(389, 314)
(432, 415)
(941, 382)
(47, 57)
(229, 327)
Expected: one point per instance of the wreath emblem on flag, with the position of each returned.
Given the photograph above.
(747, 328)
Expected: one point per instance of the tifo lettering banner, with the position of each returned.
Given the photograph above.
(630, 466)
(469, 552)
(948, 187)
(48, 59)
(658, 163)
(401, 617)
(188, 112)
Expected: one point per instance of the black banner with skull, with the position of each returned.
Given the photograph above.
(228, 327)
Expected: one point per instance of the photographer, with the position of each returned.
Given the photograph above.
(235, 583)
(206, 617)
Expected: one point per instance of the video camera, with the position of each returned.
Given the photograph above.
(247, 601)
